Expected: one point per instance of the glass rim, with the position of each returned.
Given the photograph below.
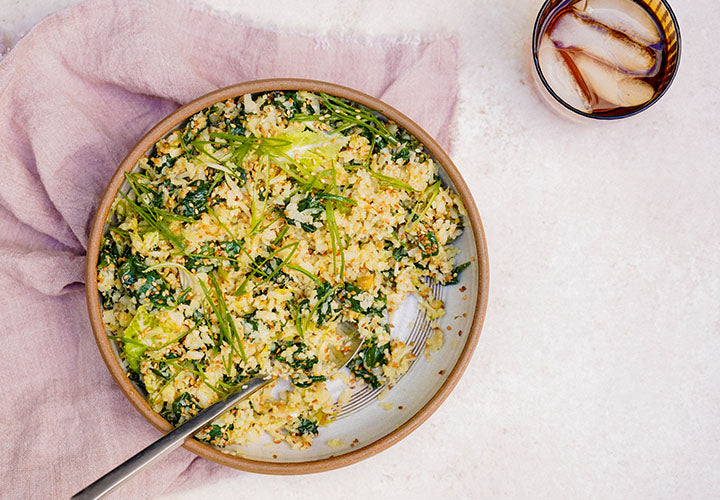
(536, 64)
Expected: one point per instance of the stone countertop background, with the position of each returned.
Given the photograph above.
(597, 374)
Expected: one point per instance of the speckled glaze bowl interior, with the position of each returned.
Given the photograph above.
(366, 425)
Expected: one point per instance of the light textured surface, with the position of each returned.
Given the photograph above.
(597, 373)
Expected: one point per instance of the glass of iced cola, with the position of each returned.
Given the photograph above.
(605, 59)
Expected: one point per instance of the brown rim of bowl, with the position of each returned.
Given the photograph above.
(157, 132)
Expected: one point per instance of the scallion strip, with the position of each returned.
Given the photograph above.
(428, 196)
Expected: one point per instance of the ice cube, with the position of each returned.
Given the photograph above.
(560, 77)
(613, 86)
(573, 32)
(625, 16)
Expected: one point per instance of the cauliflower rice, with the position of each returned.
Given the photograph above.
(248, 235)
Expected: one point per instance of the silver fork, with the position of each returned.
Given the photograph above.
(175, 438)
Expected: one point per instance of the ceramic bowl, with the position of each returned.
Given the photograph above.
(367, 425)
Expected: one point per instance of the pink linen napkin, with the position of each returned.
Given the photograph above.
(75, 95)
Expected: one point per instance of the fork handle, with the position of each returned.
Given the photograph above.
(170, 441)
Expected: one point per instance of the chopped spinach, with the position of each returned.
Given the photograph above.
(251, 321)
(350, 288)
(351, 300)
(428, 243)
(399, 252)
(162, 371)
(455, 275)
(358, 369)
(368, 360)
(304, 305)
(236, 126)
(184, 297)
(325, 294)
(380, 142)
(195, 202)
(107, 300)
(232, 248)
(298, 358)
(403, 153)
(213, 113)
(306, 427)
(203, 260)
(183, 408)
(375, 355)
(307, 380)
(215, 432)
(266, 267)
(143, 285)
(131, 270)
(188, 135)
(156, 197)
(288, 102)
(198, 315)
(137, 379)
(311, 202)
(241, 375)
(154, 289)
(109, 251)
(308, 228)
(162, 162)
(314, 205)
